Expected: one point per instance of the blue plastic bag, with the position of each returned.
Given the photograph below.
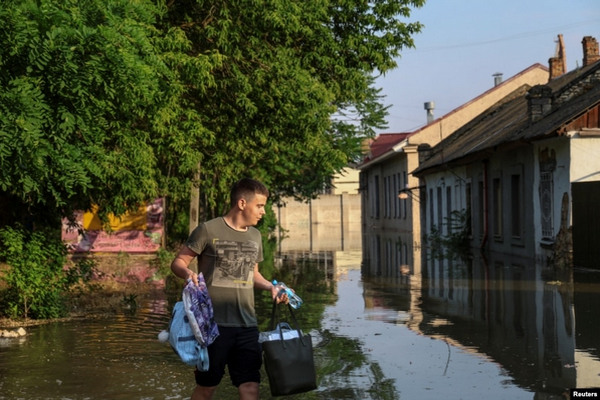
(183, 341)
(192, 328)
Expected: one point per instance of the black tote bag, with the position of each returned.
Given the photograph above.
(289, 363)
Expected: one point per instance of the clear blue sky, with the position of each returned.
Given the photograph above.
(464, 42)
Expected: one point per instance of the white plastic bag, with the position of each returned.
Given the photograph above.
(282, 328)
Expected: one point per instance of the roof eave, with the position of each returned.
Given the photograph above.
(397, 148)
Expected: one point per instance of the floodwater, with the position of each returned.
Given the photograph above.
(455, 331)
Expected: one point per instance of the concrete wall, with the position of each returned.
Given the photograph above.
(346, 181)
(330, 222)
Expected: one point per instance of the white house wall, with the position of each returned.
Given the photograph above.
(585, 159)
(558, 148)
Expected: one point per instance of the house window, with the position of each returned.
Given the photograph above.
(468, 199)
(375, 199)
(440, 210)
(431, 226)
(390, 196)
(449, 220)
(395, 193)
(480, 210)
(516, 208)
(497, 199)
(404, 184)
(386, 194)
(546, 194)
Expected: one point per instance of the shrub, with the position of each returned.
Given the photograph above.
(457, 242)
(37, 276)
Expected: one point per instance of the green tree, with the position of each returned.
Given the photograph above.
(86, 94)
(112, 103)
(294, 96)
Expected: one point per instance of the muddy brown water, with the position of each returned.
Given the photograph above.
(460, 335)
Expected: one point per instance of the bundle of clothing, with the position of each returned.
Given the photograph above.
(192, 328)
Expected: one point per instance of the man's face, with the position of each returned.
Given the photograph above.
(254, 209)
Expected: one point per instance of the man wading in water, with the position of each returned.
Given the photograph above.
(229, 249)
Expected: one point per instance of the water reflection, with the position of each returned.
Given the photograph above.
(512, 312)
(503, 328)
(115, 358)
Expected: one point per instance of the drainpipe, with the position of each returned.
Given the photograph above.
(485, 205)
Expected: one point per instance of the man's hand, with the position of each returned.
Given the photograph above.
(279, 296)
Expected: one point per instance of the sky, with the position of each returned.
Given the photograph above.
(465, 42)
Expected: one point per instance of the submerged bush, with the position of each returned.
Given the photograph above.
(37, 276)
(456, 243)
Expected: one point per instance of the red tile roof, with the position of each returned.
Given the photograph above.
(384, 143)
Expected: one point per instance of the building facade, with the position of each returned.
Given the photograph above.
(525, 174)
(391, 226)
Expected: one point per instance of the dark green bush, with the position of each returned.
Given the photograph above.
(37, 276)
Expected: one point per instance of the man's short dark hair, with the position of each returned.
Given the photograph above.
(247, 188)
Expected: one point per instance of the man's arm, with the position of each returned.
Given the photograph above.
(261, 283)
(180, 265)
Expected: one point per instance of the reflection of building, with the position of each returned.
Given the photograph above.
(517, 314)
(510, 310)
(332, 263)
(526, 172)
(393, 225)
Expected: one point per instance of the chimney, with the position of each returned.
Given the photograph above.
(430, 106)
(497, 78)
(590, 50)
(539, 102)
(558, 63)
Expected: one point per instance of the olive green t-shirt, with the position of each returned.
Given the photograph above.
(226, 258)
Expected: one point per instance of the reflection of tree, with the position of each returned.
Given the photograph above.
(456, 242)
(340, 361)
(343, 370)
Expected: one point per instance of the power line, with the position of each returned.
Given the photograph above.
(505, 38)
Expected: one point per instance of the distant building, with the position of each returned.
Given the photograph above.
(346, 181)
(330, 222)
(391, 226)
(526, 172)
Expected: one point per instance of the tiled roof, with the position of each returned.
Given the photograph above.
(384, 143)
(507, 123)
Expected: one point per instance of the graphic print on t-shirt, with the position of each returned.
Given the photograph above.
(234, 266)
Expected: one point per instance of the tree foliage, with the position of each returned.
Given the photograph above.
(114, 102)
(288, 68)
(39, 276)
(111, 103)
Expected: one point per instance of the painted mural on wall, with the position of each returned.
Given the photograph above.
(135, 232)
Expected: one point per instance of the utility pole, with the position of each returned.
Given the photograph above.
(194, 209)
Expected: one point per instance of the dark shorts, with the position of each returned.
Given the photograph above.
(238, 348)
